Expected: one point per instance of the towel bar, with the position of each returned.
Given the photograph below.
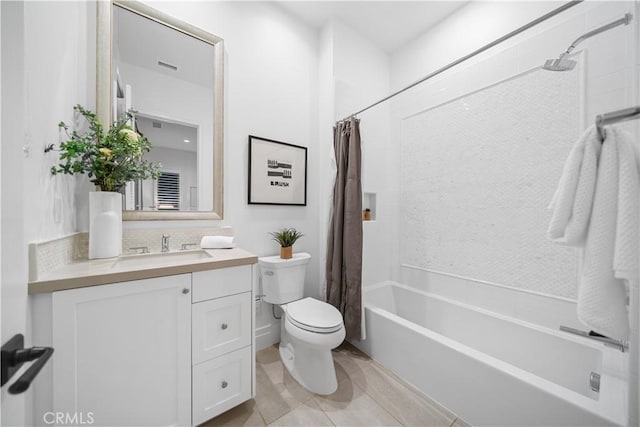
(615, 117)
(609, 342)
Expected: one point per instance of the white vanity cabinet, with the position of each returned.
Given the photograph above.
(122, 352)
(222, 338)
(166, 351)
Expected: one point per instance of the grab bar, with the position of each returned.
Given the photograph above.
(609, 342)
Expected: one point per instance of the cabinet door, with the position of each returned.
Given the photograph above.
(123, 352)
(221, 325)
(221, 383)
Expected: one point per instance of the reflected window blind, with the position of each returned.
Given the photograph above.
(168, 194)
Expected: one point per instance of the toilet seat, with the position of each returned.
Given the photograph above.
(314, 316)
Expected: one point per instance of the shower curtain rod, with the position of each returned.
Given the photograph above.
(513, 33)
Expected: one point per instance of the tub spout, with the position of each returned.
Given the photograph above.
(609, 342)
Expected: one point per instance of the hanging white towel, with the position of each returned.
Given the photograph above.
(611, 239)
(625, 261)
(573, 199)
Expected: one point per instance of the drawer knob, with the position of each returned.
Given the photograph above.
(224, 326)
(185, 291)
(224, 384)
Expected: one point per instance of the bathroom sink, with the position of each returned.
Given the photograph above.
(160, 259)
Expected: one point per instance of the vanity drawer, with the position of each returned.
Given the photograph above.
(220, 384)
(221, 282)
(220, 326)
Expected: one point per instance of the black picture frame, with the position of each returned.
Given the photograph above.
(277, 173)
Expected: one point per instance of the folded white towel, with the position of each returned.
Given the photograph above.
(611, 239)
(217, 242)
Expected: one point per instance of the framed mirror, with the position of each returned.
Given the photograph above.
(171, 73)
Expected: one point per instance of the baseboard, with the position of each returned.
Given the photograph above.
(267, 335)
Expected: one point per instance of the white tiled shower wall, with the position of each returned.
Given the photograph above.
(611, 67)
(615, 58)
(477, 175)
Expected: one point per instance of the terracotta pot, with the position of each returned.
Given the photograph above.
(286, 252)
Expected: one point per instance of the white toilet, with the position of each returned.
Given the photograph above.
(309, 328)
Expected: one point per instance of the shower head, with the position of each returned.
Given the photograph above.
(563, 64)
(560, 64)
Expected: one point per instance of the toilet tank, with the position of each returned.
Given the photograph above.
(283, 279)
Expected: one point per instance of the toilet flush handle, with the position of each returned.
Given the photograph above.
(268, 273)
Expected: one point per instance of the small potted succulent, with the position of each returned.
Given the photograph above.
(366, 214)
(286, 238)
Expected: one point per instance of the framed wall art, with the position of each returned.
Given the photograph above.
(277, 173)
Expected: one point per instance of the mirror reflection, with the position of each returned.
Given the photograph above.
(167, 76)
(175, 148)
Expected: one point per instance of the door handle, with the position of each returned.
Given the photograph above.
(13, 355)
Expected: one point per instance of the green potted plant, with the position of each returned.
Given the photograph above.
(110, 159)
(286, 238)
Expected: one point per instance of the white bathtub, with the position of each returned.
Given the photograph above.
(490, 369)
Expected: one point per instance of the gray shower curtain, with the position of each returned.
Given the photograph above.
(344, 245)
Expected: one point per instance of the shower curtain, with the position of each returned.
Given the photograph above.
(344, 245)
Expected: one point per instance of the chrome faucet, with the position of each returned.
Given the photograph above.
(165, 243)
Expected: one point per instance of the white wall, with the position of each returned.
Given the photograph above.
(59, 73)
(610, 82)
(50, 67)
(13, 265)
(361, 76)
(271, 90)
(326, 118)
(467, 29)
(609, 78)
(353, 73)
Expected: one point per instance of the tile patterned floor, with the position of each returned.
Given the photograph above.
(367, 395)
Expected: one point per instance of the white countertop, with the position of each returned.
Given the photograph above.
(94, 272)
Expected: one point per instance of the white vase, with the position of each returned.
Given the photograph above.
(105, 224)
